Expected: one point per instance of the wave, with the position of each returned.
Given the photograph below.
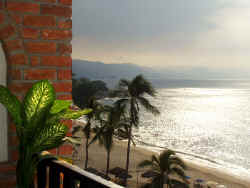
(230, 170)
(178, 152)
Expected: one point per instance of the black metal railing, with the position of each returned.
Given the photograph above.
(59, 174)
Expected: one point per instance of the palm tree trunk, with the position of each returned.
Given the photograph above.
(128, 154)
(108, 160)
(87, 153)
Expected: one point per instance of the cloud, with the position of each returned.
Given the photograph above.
(163, 33)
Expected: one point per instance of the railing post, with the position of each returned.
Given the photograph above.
(67, 180)
(54, 177)
(41, 174)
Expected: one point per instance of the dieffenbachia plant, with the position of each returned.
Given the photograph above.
(39, 125)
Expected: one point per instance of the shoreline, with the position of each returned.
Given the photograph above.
(216, 170)
(97, 159)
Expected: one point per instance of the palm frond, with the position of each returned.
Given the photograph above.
(140, 86)
(145, 163)
(179, 172)
(155, 159)
(176, 161)
(124, 83)
(149, 107)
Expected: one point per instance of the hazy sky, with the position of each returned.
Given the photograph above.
(163, 33)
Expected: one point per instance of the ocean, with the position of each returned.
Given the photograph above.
(205, 121)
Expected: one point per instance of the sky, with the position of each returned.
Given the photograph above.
(163, 33)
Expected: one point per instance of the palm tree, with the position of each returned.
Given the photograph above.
(165, 165)
(96, 108)
(134, 92)
(105, 133)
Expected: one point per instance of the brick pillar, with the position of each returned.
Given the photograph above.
(36, 36)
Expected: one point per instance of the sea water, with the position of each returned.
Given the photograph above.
(206, 121)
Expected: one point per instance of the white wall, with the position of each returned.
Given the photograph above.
(3, 113)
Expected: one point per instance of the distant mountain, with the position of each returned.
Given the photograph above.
(99, 70)
(112, 73)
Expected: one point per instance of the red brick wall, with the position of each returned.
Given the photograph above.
(36, 37)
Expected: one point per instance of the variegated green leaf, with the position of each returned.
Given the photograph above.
(70, 114)
(50, 137)
(60, 105)
(38, 101)
(67, 114)
(12, 104)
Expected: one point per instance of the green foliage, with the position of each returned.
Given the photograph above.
(83, 89)
(59, 105)
(133, 97)
(165, 166)
(12, 104)
(39, 126)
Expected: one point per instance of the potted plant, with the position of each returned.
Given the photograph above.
(39, 127)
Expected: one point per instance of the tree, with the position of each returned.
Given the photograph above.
(164, 165)
(110, 122)
(96, 109)
(38, 125)
(83, 89)
(134, 96)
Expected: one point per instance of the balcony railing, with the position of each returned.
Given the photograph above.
(59, 174)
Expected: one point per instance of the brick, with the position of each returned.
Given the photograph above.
(1, 4)
(47, 1)
(59, 61)
(8, 181)
(65, 48)
(40, 47)
(34, 61)
(16, 18)
(63, 86)
(65, 150)
(40, 74)
(66, 2)
(68, 123)
(15, 74)
(13, 45)
(30, 33)
(13, 140)
(6, 167)
(14, 155)
(56, 10)
(7, 32)
(53, 151)
(39, 21)
(64, 97)
(12, 127)
(19, 87)
(18, 59)
(2, 18)
(24, 7)
(48, 34)
(64, 74)
(65, 24)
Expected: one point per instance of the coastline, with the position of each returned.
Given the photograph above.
(118, 157)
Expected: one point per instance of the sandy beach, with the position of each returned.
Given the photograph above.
(97, 159)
